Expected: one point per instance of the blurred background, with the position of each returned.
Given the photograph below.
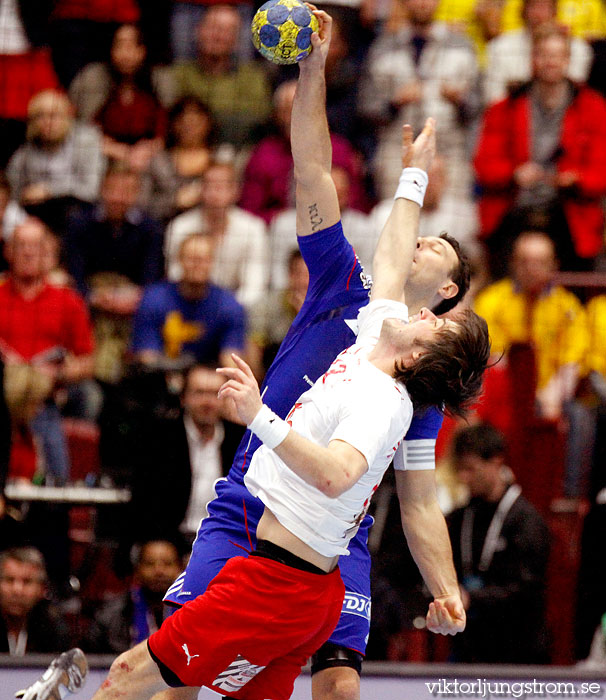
(148, 230)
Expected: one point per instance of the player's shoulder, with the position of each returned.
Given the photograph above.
(333, 232)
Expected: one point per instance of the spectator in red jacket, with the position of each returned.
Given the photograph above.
(541, 160)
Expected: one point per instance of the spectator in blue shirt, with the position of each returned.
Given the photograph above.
(192, 316)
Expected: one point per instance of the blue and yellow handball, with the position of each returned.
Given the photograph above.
(282, 29)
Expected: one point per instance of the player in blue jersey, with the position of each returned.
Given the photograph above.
(325, 325)
(338, 287)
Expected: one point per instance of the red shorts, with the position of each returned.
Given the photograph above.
(252, 630)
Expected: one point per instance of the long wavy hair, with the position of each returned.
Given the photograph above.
(449, 374)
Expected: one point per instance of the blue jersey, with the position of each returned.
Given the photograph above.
(338, 287)
(169, 323)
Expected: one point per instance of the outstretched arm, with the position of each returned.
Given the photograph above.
(396, 247)
(316, 196)
(429, 544)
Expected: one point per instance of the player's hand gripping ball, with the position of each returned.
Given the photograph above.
(282, 29)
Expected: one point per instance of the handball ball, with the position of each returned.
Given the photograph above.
(282, 29)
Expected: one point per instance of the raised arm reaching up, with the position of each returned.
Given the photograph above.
(316, 196)
(395, 250)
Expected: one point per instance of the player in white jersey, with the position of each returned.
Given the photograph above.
(323, 516)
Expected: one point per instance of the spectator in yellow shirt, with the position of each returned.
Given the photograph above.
(585, 18)
(528, 307)
(481, 20)
(596, 318)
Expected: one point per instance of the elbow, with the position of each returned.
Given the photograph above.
(330, 488)
(334, 481)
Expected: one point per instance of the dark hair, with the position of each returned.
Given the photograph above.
(142, 77)
(449, 374)
(460, 275)
(482, 440)
(185, 103)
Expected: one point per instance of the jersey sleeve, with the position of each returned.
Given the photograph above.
(332, 263)
(418, 449)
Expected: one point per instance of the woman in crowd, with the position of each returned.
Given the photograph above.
(172, 183)
(125, 99)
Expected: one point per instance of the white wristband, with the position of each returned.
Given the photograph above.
(269, 427)
(412, 185)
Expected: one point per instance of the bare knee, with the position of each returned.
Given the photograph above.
(337, 683)
(125, 665)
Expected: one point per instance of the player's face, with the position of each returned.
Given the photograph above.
(425, 325)
(410, 339)
(432, 264)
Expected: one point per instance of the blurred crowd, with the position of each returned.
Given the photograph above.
(148, 228)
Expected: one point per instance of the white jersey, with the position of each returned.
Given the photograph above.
(357, 403)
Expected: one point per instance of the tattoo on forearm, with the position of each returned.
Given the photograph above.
(314, 217)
